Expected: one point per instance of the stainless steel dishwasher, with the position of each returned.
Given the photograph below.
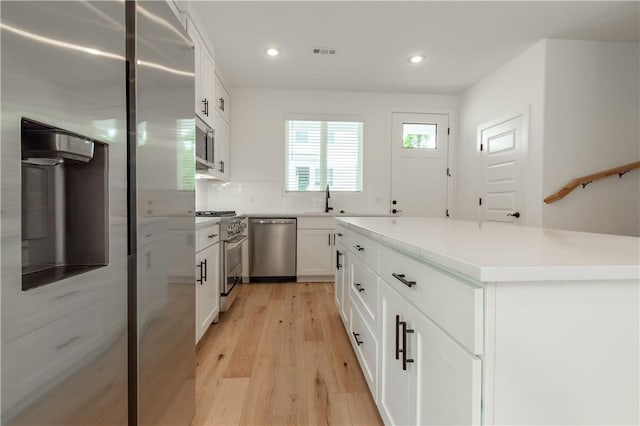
(272, 249)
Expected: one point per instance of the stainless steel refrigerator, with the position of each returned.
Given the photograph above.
(97, 228)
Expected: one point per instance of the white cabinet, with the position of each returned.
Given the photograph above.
(223, 99)
(316, 258)
(315, 251)
(204, 78)
(342, 268)
(222, 134)
(207, 279)
(425, 376)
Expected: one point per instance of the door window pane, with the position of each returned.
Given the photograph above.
(419, 136)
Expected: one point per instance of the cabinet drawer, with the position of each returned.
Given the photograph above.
(365, 249)
(453, 304)
(365, 346)
(364, 290)
(208, 236)
(341, 235)
(314, 222)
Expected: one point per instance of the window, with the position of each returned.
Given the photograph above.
(321, 153)
(419, 136)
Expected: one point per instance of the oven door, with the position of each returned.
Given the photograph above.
(232, 264)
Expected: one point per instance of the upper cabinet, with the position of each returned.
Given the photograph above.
(204, 70)
(212, 103)
(223, 100)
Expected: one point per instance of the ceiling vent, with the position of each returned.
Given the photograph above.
(324, 51)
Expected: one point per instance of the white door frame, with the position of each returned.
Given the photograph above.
(451, 148)
(524, 155)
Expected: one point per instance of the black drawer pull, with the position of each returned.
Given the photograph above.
(358, 247)
(212, 236)
(405, 331)
(401, 278)
(199, 280)
(355, 336)
(398, 337)
(359, 287)
(338, 265)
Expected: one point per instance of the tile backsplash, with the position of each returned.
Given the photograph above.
(270, 197)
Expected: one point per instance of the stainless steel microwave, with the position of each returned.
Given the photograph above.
(205, 145)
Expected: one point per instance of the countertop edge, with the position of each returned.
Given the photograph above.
(497, 274)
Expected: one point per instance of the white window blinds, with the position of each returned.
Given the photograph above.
(321, 153)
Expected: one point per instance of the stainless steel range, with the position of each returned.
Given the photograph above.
(233, 234)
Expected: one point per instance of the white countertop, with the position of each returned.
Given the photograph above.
(313, 214)
(498, 252)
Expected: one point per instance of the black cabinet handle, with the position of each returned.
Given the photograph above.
(212, 236)
(358, 247)
(397, 336)
(401, 278)
(516, 214)
(221, 166)
(359, 287)
(405, 331)
(222, 104)
(355, 336)
(329, 239)
(205, 269)
(199, 280)
(338, 265)
(204, 104)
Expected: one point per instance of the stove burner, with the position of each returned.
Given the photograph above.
(216, 213)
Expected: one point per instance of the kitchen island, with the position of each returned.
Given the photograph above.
(488, 323)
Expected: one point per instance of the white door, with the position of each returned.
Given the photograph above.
(208, 288)
(419, 164)
(502, 145)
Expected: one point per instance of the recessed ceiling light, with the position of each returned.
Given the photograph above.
(272, 51)
(416, 59)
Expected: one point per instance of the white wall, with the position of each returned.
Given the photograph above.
(258, 148)
(515, 87)
(591, 124)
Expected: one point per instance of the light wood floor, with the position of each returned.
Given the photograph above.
(281, 356)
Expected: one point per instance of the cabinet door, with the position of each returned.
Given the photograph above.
(339, 272)
(208, 287)
(445, 378)
(206, 83)
(346, 276)
(197, 49)
(222, 148)
(314, 252)
(394, 381)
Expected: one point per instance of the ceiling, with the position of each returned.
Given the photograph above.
(462, 41)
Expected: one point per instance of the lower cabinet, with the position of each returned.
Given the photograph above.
(342, 261)
(207, 287)
(416, 369)
(425, 377)
(315, 252)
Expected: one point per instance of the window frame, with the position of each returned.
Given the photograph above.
(323, 150)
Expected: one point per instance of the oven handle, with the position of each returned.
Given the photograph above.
(231, 244)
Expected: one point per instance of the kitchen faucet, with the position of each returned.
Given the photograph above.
(327, 209)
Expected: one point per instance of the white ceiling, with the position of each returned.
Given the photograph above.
(463, 41)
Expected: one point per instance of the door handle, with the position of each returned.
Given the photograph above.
(205, 270)
(401, 278)
(405, 331)
(516, 214)
(394, 211)
(355, 336)
(359, 287)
